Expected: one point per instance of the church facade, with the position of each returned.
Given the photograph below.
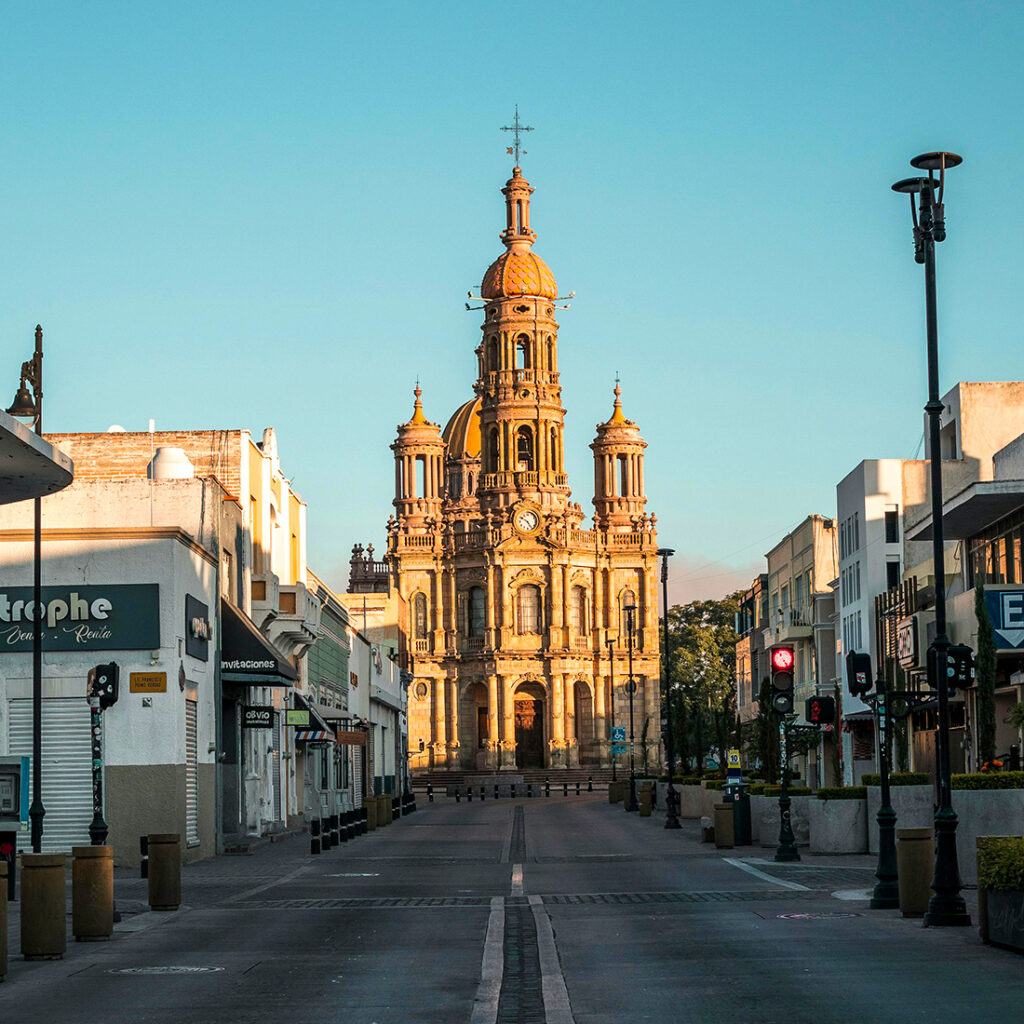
(519, 619)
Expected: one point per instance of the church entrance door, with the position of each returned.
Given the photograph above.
(529, 733)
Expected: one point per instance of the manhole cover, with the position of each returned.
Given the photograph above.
(816, 917)
(165, 970)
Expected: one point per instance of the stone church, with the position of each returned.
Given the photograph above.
(518, 629)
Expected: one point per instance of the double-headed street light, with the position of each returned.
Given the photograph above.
(28, 405)
(630, 610)
(946, 906)
(671, 801)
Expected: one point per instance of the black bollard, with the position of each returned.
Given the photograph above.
(565, 789)
(314, 836)
(469, 793)
(325, 834)
(483, 792)
(577, 787)
(495, 791)
(458, 795)
(590, 783)
(144, 857)
(430, 793)
(547, 787)
(512, 790)
(529, 790)
(363, 823)
(343, 827)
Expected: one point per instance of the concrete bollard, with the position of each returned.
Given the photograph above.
(92, 893)
(370, 810)
(724, 831)
(44, 930)
(3, 919)
(915, 862)
(165, 871)
(645, 803)
(384, 812)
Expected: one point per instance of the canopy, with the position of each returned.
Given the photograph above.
(247, 656)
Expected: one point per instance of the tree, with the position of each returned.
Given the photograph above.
(764, 741)
(986, 669)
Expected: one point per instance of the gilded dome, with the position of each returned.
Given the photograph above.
(518, 273)
(462, 433)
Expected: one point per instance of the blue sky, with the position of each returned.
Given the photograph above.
(270, 214)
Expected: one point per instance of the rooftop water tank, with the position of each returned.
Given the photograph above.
(170, 464)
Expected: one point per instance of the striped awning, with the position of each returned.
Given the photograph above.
(314, 736)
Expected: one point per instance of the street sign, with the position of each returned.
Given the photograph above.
(147, 682)
(733, 759)
(618, 734)
(1006, 610)
(906, 642)
(618, 748)
(297, 717)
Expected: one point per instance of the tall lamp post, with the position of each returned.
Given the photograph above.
(946, 906)
(630, 610)
(611, 686)
(671, 801)
(29, 405)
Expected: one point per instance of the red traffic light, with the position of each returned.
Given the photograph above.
(782, 658)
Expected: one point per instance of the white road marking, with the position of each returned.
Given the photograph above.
(852, 894)
(517, 880)
(268, 885)
(556, 996)
(744, 866)
(485, 1005)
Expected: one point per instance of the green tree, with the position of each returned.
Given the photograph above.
(764, 734)
(986, 669)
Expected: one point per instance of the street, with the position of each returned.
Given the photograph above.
(531, 910)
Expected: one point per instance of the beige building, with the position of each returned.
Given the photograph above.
(511, 602)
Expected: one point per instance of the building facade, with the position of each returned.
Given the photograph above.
(751, 662)
(517, 613)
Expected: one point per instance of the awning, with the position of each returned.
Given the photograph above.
(973, 510)
(318, 730)
(314, 736)
(329, 714)
(247, 656)
(29, 466)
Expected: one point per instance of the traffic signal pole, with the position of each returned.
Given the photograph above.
(786, 850)
(887, 889)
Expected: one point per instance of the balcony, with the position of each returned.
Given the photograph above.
(297, 623)
(787, 625)
(265, 595)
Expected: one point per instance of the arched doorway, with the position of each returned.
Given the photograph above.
(529, 720)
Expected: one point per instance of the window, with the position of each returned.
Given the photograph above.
(524, 450)
(523, 361)
(627, 600)
(419, 616)
(785, 597)
(477, 611)
(529, 609)
(857, 577)
(892, 574)
(856, 531)
(578, 611)
(892, 526)
(492, 450)
(553, 461)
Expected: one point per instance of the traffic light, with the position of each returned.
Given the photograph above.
(783, 662)
(858, 673)
(103, 683)
(959, 667)
(820, 710)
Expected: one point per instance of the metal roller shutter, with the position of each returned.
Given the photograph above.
(191, 773)
(67, 767)
(275, 766)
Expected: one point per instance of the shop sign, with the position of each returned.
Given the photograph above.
(257, 716)
(147, 682)
(297, 716)
(1006, 610)
(906, 642)
(104, 617)
(351, 739)
(197, 628)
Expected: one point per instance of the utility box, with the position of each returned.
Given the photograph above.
(736, 794)
(14, 804)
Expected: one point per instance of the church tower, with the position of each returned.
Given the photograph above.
(618, 449)
(419, 469)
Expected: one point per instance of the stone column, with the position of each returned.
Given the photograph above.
(493, 738)
(600, 709)
(572, 747)
(556, 702)
(440, 743)
(453, 718)
(508, 725)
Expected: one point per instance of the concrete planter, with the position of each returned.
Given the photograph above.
(914, 807)
(1004, 918)
(708, 799)
(755, 819)
(689, 801)
(768, 820)
(984, 812)
(838, 826)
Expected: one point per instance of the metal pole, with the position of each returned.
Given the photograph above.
(98, 827)
(37, 811)
(671, 798)
(611, 695)
(631, 804)
(946, 906)
(786, 850)
(887, 890)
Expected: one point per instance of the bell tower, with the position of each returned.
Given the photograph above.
(619, 497)
(419, 468)
(521, 416)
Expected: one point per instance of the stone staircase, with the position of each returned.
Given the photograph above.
(441, 780)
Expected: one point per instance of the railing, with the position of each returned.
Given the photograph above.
(407, 540)
(421, 646)
(471, 643)
(581, 643)
(472, 539)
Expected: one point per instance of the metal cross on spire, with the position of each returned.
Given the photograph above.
(515, 127)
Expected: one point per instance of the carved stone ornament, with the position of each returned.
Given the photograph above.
(527, 575)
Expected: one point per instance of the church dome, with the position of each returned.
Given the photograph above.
(462, 433)
(518, 273)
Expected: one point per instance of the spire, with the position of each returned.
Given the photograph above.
(417, 412)
(618, 419)
(517, 235)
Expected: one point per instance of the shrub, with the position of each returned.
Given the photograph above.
(989, 780)
(1001, 863)
(843, 793)
(793, 790)
(897, 779)
(715, 784)
(689, 780)
(756, 788)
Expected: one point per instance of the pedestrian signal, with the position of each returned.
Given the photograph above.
(820, 710)
(858, 673)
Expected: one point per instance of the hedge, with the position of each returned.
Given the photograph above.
(989, 780)
(756, 788)
(1001, 862)
(843, 793)
(898, 779)
(793, 790)
(689, 780)
(715, 784)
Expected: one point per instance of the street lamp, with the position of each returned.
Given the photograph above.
(671, 801)
(630, 610)
(29, 405)
(611, 686)
(946, 906)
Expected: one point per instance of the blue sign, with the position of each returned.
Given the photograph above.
(618, 748)
(618, 734)
(1006, 610)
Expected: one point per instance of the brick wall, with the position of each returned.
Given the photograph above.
(121, 456)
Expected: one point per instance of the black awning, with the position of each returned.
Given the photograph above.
(247, 656)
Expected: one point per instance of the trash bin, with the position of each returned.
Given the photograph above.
(370, 810)
(724, 832)
(165, 871)
(915, 861)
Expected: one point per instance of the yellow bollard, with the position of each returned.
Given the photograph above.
(44, 930)
(3, 919)
(92, 893)
(915, 862)
(370, 803)
(165, 871)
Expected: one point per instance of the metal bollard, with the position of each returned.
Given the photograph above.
(483, 792)
(577, 787)
(315, 846)
(590, 783)
(343, 836)
(92, 893)
(430, 793)
(565, 789)
(547, 787)
(325, 834)
(3, 918)
(43, 924)
(143, 856)
(469, 794)
(495, 791)
(512, 791)
(335, 838)
(458, 796)
(165, 871)
(529, 790)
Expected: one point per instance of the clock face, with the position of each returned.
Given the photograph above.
(527, 520)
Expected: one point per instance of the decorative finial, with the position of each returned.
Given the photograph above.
(417, 412)
(617, 415)
(516, 128)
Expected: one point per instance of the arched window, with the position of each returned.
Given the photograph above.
(523, 360)
(551, 353)
(578, 611)
(492, 450)
(530, 619)
(477, 611)
(492, 358)
(419, 616)
(524, 449)
(627, 600)
(553, 461)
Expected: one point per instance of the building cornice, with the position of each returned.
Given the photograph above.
(113, 533)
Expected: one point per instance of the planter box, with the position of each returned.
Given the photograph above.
(839, 826)
(984, 812)
(768, 820)
(1004, 918)
(689, 801)
(914, 807)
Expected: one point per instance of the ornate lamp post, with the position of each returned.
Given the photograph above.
(671, 800)
(946, 906)
(611, 686)
(630, 610)
(29, 405)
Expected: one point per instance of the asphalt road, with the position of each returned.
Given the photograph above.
(553, 911)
